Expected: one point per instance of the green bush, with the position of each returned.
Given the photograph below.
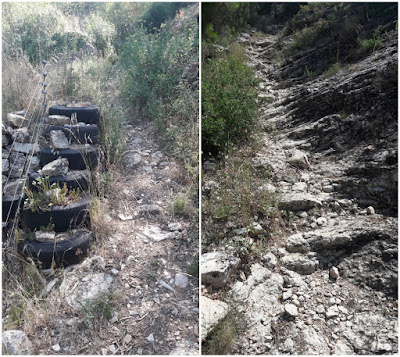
(153, 65)
(228, 103)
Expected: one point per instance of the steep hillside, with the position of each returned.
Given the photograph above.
(316, 271)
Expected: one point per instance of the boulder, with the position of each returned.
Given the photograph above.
(131, 159)
(57, 167)
(300, 263)
(298, 202)
(212, 312)
(15, 342)
(216, 268)
(17, 121)
(299, 159)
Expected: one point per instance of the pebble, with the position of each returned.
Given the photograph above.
(127, 339)
(181, 281)
(332, 312)
(56, 348)
(114, 272)
(112, 348)
(370, 210)
(291, 310)
(287, 295)
(150, 338)
(174, 227)
(321, 221)
(334, 273)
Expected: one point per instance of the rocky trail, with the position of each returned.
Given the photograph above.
(330, 285)
(137, 292)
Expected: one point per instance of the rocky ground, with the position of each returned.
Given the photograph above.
(328, 285)
(137, 293)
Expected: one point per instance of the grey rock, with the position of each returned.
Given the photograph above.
(59, 120)
(151, 208)
(298, 159)
(334, 273)
(299, 187)
(21, 135)
(328, 189)
(26, 148)
(5, 166)
(13, 187)
(156, 234)
(240, 231)
(56, 347)
(322, 221)
(15, 342)
(175, 227)
(216, 268)
(76, 291)
(298, 202)
(269, 260)
(291, 310)
(332, 311)
(300, 263)
(181, 281)
(17, 165)
(208, 187)
(58, 140)
(370, 210)
(44, 236)
(132, 159)
(17, 121)
(57, 167)
(34, 165)
(185, 348)
(255, 229)
(212, 312)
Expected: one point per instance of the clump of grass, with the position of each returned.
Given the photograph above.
(237, 198)
(96, 311)
(180, 205)
(193, 268)
(331, 71)
(225, 335)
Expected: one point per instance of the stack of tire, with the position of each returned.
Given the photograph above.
(82, 154)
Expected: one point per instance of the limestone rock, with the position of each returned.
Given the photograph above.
(175, 227)
(34, 166)
(216, 268)
(255, 229)
(26, 148)
(15, 342)
(181, 281)
(298, 202)
(76, 291)
(21, 135)
(4, 140)
(151, 208)
(13, 187)
(298, 159)
(43, 236)
(131, 159)
(59, 120)
(334, 273)
(212, 312)
(5, 166)
(270, 260)
(57, 167)
(332, 311)
(291, 310)
(17, 121)
(58, 140)
(300, 263)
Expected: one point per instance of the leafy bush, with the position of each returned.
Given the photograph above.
(153, 65)
(101, 33)
(228, 103)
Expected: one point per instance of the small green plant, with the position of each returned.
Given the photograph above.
(335, 68)
(180, 205)
(308, 72)
(48, 195)
(193, 268)
(370, 44)
(96, 311)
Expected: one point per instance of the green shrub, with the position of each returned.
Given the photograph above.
(228, 103)
(153, 65)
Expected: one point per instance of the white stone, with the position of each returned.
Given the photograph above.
(21, 135)
(287, 294)
(175, 227)
(15, 342)
(334, 273)
(131, 159)
(150, 338)
(17, 121)
(322, 221)
(181, 281)
(56, 347)
(43, 236)
(332, 311)
(256, 229)
(270, 260)
(58, 140)
(26, 148)
(370, 210)
(299, 187)
(212, 311)
(291, 310)
(60, 120)
(216, 268)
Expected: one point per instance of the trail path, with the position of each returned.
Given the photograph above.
(330, 287)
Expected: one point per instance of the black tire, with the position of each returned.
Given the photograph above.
(73, 180)
(77, 158)
(9, 202)
(79, 134)
(63, 217)
(88, 115)
(61, 254)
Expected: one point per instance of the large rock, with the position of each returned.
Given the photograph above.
(15, 342)
(17, 165)
(299, 159)
(21, 135)
(26, 148)
(34, 165)
(13, 187)
(131, 159)
(17, 121)
(77, 291)
(344, 234)
(57, 167)
(298, 202)
(212, 312)
(59, 120)
(216, 268)
(58, 140)
(300, 263)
